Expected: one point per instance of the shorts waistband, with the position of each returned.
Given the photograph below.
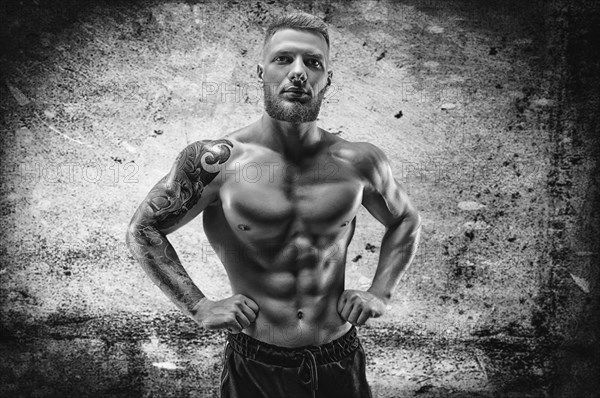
(333, 351)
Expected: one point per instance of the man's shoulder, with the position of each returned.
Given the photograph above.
(210, 154)
(368, 161)
(205, 154)
(365, 156)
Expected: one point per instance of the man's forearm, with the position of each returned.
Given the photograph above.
(160, 261)
(398, 248)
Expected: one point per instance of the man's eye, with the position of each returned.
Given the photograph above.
(315, 63)
(281, 59)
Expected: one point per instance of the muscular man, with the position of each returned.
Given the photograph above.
(279, 200)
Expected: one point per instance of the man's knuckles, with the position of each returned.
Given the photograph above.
(358, 302)
(238, 303)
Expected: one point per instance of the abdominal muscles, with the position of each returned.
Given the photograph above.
(294, 275)
(297, 296)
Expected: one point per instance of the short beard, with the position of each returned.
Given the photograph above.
(292, 111)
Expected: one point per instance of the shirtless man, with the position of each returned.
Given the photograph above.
(279, 200)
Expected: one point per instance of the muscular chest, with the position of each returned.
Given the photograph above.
(266, 198)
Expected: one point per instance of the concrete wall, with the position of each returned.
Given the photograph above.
(485, 111)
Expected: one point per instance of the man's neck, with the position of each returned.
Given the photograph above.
(293, 140)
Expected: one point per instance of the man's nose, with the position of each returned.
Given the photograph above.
(297, 73)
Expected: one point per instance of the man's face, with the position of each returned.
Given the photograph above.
(295, 74)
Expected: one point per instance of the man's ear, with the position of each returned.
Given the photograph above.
(329, 77)
(259, 72)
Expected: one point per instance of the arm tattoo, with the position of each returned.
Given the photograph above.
(195, 167)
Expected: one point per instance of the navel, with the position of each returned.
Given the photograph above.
(300, 314)
(243, 227)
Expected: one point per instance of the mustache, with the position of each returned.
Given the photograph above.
(296, 89)
(274, 89)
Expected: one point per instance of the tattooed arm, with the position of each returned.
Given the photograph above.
(177, 198)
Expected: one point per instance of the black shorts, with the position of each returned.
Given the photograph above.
(253, 369)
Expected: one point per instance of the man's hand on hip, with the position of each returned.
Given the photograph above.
(234, 313)
(356, 306)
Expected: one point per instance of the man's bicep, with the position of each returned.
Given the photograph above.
(169, 206)
(389, 205)
(189, 187)
(383, 196)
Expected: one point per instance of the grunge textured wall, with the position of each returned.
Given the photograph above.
(488, 113)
